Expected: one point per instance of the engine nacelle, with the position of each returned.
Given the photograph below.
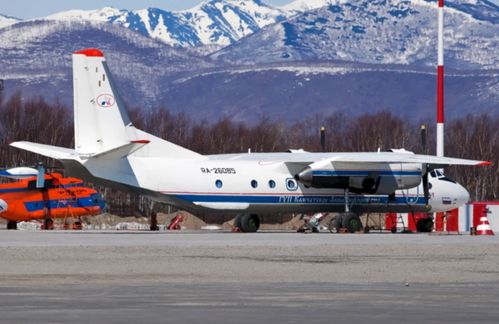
(368, 178)
(3, 206)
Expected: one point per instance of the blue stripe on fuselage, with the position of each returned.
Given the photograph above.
(364, 173)
(309, 199)
(13, 190)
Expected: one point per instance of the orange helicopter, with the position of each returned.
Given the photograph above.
(45, 196)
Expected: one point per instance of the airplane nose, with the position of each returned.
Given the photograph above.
(462, 195)
(3, 206)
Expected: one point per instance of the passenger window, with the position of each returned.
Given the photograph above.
(271, 184)
(291, 184)
(254, 184)
(219, 184)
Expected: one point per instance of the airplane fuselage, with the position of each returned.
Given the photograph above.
(255, 183)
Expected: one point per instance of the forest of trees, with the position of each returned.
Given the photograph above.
(474, 136)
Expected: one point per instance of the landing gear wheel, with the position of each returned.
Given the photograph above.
(79, 226)
(335, 223)
(48, 224)
(237, 222)
(250, 223)
(352, 222)
(11, 225)
(424, 225)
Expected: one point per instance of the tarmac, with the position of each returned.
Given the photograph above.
(199, 277)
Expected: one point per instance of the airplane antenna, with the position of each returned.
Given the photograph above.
(424, 139)
(440, 80)
(323, 139)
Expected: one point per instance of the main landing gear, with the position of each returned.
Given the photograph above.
(424, 225)
(348, 220)
(48, 224)
(11, 225)
(247, 223)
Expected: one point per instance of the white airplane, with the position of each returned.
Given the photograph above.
(111, 151)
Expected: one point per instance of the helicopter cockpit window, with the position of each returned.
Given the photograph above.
(49, 184)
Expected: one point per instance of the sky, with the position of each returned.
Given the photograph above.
(27, 9)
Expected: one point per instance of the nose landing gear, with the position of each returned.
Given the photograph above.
(11, 225)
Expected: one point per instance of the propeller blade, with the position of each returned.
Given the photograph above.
(426, 186)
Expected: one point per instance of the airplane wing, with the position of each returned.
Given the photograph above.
(302, 158)
(381, 157)
(407, 158)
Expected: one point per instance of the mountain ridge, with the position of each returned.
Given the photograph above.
(398, 32)
(326, 70)
(220, 23)
(212, 22)
(8, 20)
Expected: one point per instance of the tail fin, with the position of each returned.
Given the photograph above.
(100, 118)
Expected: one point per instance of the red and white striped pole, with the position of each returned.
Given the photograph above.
(440, 80)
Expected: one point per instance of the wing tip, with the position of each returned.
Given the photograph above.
(17, 143)
(485, 163)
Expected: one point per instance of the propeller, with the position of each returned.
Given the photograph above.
(426, 186)
(426, 183)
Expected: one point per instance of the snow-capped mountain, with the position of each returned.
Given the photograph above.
(354, 56)
(305, 5)
(7, 21)
(477, 8)
(377, 31)
(212, 22)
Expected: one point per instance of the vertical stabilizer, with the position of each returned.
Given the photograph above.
(100, 118)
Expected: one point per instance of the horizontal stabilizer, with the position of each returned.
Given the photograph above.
(121, 151)
(55, 152)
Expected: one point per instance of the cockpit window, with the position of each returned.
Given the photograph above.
(437, 174)
(49, 184)
(447, 179)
